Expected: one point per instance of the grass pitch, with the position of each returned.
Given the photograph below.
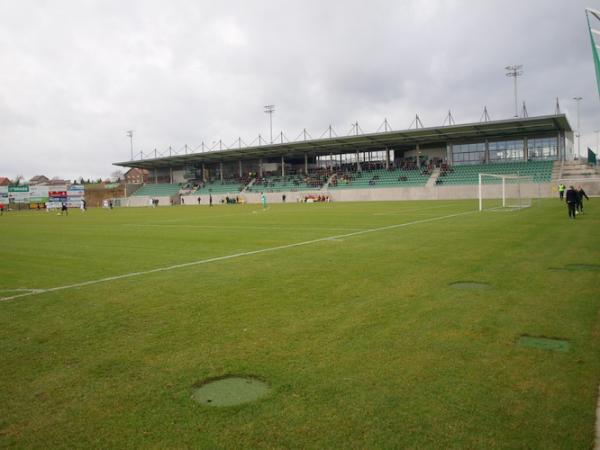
(355, 326)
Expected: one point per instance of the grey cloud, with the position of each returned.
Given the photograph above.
(76, 75)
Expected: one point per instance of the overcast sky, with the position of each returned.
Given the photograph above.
(76, 75)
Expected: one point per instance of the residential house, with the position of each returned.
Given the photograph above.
(136, 176)
(39, 179)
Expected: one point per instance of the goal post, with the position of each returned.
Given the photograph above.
(503, 192)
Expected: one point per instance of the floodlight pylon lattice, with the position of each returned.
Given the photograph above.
(129, 134)
(515, 71)
(270, 109)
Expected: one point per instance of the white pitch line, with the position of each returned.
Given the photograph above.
(229, 227)
(235, 255)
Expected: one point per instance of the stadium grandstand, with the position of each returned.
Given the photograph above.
(418, 163)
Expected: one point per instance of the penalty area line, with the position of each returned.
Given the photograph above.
(232, 256)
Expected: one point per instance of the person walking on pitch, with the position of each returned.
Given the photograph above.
(561, 190)
(263, 200)
(580, 194)
(571, 201)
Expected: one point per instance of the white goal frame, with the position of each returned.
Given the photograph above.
(514, 180)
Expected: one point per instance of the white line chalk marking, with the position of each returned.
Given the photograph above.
(233, 227)
(235, 255)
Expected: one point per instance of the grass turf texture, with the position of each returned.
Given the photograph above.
(362, 339)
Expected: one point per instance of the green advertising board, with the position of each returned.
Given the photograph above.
(18, 189)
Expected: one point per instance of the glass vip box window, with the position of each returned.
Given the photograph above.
(542, 148)
(468, 153)
(506, 150)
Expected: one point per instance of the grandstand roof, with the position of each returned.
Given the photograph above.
(369, 142)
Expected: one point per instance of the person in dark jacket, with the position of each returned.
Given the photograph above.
(580, 194)
(571, 197)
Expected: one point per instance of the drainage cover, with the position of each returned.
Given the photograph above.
(470, 285)
(230, 391)
(543, 343)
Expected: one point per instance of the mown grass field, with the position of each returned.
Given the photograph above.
(361, 337)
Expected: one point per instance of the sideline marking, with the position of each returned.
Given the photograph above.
(232, 256)
(234, 227)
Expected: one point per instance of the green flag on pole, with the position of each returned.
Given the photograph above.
(591, 157)
(594, 34)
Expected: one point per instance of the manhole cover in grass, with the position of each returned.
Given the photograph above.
(592, 267)
(230, 391)
(470, 285)
(543, 343)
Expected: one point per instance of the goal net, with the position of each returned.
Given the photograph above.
(503, 192)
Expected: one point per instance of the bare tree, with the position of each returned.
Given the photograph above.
(116, 176)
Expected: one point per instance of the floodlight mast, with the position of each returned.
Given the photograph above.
(515, 71)
(270, 109)
(578, 100)
(130, 135)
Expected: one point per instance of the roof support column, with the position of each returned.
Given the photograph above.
(525, 149)
(282, 166)
(155, 176)
(331, 161)
(358, 168)
(203, 173)
(448, 153)
(260, 172)
(305, 163)
(221, 170)
(418, 156)
(170, 175)
(240, 167)
(486, 153)
(560, 146)
(387, 159)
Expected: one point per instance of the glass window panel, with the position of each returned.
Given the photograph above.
(506, 150)
(542, 148)
(468, 153)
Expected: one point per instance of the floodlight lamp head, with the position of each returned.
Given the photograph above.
(514, 70)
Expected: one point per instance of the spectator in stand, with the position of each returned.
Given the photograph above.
(571, 197)
(580, 194)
